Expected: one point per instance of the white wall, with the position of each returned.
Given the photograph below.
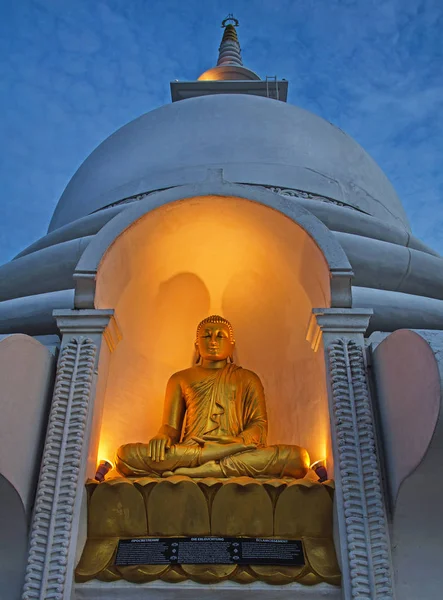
(13, 542)
(408, 370)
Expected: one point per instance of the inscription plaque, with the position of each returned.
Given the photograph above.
(209, 550)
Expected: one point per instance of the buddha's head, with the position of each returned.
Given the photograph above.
(214, 340)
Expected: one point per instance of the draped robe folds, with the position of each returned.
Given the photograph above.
(228, 402)
(236, 406)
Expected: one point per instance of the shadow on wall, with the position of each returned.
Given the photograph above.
(13, 541)
(178, 327)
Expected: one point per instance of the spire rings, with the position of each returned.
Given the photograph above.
(231, 18)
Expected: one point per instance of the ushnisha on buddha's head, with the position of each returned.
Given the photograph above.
(214, 342)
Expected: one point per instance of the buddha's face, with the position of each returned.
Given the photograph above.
(214, 343)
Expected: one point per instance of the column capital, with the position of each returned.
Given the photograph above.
(337, 321)
(89, 322)
(82, 321)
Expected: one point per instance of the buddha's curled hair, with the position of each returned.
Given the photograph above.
(216, 319)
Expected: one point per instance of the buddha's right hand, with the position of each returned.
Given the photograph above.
(158, 446)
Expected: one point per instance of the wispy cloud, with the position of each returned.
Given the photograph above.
(72, 73)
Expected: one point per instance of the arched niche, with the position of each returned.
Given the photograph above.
(182, 261)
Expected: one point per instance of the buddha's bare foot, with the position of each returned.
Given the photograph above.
(216, 451)
(209, 469)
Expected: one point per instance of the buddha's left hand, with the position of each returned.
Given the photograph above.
(215, 450)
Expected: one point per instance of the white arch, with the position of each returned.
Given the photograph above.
(339, 266)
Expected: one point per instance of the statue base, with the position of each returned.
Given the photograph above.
(240, 506)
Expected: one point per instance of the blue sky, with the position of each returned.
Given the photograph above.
(72, 72)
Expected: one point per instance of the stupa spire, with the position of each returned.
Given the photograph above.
(229, 64)
(229, 51)
(229, 75)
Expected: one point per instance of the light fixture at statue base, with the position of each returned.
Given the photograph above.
(104, 466)
(319, 468)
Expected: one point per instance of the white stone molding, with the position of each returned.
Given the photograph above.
(294, 193)
(54, 527)
(367, 537)
(51, 529)
(84, 322)
(337, 321)
(361, 510)
(288, 192)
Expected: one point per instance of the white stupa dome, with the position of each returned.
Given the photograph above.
(255, 140)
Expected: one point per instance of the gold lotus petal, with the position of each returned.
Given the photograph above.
(242, 507)
(243, 575)
(97, 555)
(279, 574)
(143, 481)
(142, 573)
(177, 506)
(320, 553)
(209, 482)
(329, 485)
(276, 483)
(243, 480)
(209, 573)
(91, 486)
(117, 509)
(174, 574)
(309, 579)
(145, 486)
(109, 574)
(303, 508)
(312, 475)
(306, 482)
(209, 486)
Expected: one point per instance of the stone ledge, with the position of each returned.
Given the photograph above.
(189, 590)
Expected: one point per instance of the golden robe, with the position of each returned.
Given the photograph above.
(228, 402)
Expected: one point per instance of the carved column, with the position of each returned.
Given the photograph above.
(362, 523)
(55, 523)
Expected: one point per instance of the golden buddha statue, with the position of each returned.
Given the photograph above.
(214, 421)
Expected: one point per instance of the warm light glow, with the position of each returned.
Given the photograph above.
(210, 76)
(220, 74)
(214, 255)
(322, 445)
(228, 73)
(106, 447)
